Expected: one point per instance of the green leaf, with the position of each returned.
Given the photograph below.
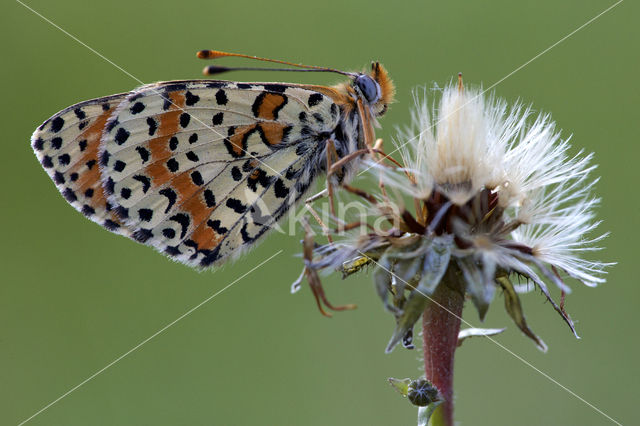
(411, 312)
(514, 309)
(402, 386)
(436, 262)
(382, 281)
(425, 413)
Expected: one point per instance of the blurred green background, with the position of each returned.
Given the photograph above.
(74, 297)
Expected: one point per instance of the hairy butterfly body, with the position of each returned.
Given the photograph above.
(200, 169)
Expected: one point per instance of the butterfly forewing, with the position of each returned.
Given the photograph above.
(67, 146)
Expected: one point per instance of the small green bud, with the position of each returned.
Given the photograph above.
(422, 393)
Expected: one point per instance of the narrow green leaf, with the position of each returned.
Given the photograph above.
(514, 309)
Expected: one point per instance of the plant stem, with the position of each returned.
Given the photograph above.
(440, 328)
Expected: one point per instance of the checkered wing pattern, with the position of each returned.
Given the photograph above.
(197, 169)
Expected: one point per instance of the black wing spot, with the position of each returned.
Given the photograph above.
(192, 156)
(38, 144)
(278, 88)
(88, 193)
(79, 113)
(169, 233)
(221, 97)
(196, 177)
(191, 99)
(122, 212)
(173, 165)
(144, 154)
(69, 195)
(236, 174)
(280, 189)
(183, 220)
(121, 136)
(58, 178)
(217, 119)
(173, 143)
(104, 158)
(47, 163)
(153, 126)
(56, 124)
(64, 159)
(90, 164)
(145, 181)
(258, 176)
(142, 235)
(256, 104)
(87, 210)
(110, 225)
(171, 196)
(315, 99)
(193, 138)
(172, 251)
(167, 102)
(145, 214)
(125, 193)
(56, 143)
(82, 144)
(119, 166)
(236, 205)
(246, 238)
(137, 108)
(215, 225)
(184, 119)
(109, 186)
(209, 198)
(74, 176)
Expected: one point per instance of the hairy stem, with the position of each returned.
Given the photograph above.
(440, 328)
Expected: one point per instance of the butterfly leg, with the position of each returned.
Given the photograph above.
(331, 154)
(309, 206)
(312, 275)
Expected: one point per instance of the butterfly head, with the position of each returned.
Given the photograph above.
(375, 89)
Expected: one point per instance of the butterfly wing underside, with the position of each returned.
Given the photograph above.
(197, 169)
(67, 146)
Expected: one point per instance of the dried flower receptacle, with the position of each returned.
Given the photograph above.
(485, 193)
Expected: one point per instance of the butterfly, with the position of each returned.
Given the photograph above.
(201, 169)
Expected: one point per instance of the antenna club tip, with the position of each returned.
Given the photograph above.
(211, 54)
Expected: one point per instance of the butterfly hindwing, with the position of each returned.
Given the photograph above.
(67, 146)
(187, 164)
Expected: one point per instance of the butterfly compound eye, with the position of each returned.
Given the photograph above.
(369, 88)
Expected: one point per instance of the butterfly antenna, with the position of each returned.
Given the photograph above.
(215, 54)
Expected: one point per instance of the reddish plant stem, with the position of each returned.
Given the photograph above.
(440, 328)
